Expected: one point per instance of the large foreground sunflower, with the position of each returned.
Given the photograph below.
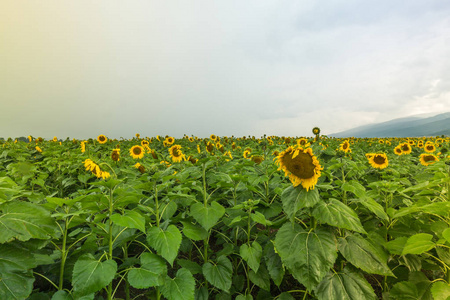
(176, 154)
(378, 160)
(137, 151)
(300, 165)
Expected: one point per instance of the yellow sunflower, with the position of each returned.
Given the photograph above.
(176, 153)
(302, 142)
(213, 137)
(429, 147)
(144, 143)
(137, 151)
(55, 139)
(406, 148)
(257, 159)
(300, 165)
(140, 167)
(398, 150)
(345, 146)
(193, 160)
(169, 140)
(378, 161)
(428, 159)
(316, 130)
(191, 139)
(83, 147)
(115, 155)
(102, 139)
(247, 154)
(209, 147)
(38, 149)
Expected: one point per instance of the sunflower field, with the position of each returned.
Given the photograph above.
(225, 218)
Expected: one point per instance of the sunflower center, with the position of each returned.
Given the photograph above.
(428, 158)
(176, 152)
(137, 150)
(379, 160)
(301, 166)
(429, 147)
(345, 146)
(405, 147)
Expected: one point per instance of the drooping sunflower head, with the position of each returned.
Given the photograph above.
(428, 159)
(209, 147)
(102, 139)
(176, 153)
(192, 159)
(247, 154)
(300, 165)
(137, 151)
(115, 155)
(257, 159)
(379, 161)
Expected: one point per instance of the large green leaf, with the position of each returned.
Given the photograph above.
(418, 244)
(404, 290)
(151, 272)
(251, 254)
(345, 285)
(16, 284)
(166, 243)
(23, 221)
(219, 273)
(336, 213)
(274, 265)
(207, 216)
(374, 207)
(182, 287)
(14, 257)
(362, 254)
(130, 219)
(296, 198)
(440, 290)
(90, 275)
(261, 278)
(308, 255)
(193, 232)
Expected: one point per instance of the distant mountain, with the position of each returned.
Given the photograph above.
(414, 126)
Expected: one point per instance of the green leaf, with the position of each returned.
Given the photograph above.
(345, 285)
(446, 234)
(192, 266)
(404, 290)
(201, 294)
(362, 254)
(285, 296)
(207, 216)
(274, 264)
(166, 243)
(194, 232)
(251, 254)
(219, 273)
(16, 284)
(440, 290)
(14, 257)
(130, 219)
(182, 287)
(308, 255)
(260, 218)
(355, 187)
(336, 213)
(418, 244)
(261, 278)
(150, 273)
(90, 275)
(296, 198)
(23, 221)
(374, 207)
(396, 246)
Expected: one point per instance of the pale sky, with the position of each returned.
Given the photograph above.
(82, 68)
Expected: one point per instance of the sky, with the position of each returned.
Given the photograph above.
(82, 68)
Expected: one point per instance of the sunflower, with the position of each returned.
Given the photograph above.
(191, 139)
(140, 167)
(257, 159)
(169, 140)
(102, 139)
(316, 130)
(302, 142)
(228, 155)
(115, 155)
(345, 146)
(406, 148)
(209, 147)
(176, 154)
(30, 138)
(154, 155)
(55, 139)
(137, 151)
(428, 159)
(144, 143)
(398, 150)
(378, 161)
(429, 147)
(300, 165)
(83, 147)
(38, 149)
(247, 154)
(220, 147)
(193, 160)
(213, 137)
